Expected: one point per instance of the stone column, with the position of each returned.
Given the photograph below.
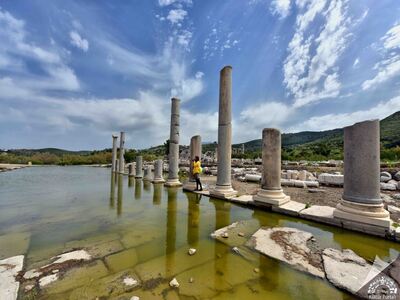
(121, 167)
(158, 171)
(139, 167)
(173, 177)
(224, 188)
(131, 170)
(271, 191)
(361, 201)
(147, 174)
(195, 150)
(114, 154)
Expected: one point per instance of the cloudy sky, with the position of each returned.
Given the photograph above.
(74, 72)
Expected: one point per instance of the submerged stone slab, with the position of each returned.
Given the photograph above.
(237, 233)
(323, 214)
(14, 244)
(345, 269)
(292, 246)
(74, 255)
(244, 199)
(122, 260)
(291, 208)
(9, 269)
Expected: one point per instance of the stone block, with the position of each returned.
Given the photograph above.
(388, 186)
(323, 214)
(9, 269)
(291, 208)
(331, 179)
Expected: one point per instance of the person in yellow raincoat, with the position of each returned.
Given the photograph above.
(196, 173)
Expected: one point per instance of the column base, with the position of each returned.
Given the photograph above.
(147, 179)
(223, 192)
(370, 214)
(271, 197)
(173, 182)
(158, 180)
(189, 186)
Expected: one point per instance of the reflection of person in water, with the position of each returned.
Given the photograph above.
(196, 173)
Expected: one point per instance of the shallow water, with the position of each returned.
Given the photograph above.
(145, 230)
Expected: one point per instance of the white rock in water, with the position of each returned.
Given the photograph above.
(236, 250)
(192, 251)
(174, 283)
(345, 269)
(32, 274)
(74, 255)
(9, 268)
(29, 287)
(47, 279)
(129, 281)
(135, 298)
(388, 186)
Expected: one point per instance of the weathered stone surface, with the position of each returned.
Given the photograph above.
(230, 234)
(292, 246)
(385, 176)
(345, 269)
(291, 208)
(46, 280)
(393, 209)
(320, 214)
(244, 199)
(397, 176)
(74, 255)
(9, 269)
(396, 196)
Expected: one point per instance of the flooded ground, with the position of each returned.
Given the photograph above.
(135, 228)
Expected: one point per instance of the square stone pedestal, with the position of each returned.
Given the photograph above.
(223, 192)
(271, 197)
(173, 183)
(159, 180)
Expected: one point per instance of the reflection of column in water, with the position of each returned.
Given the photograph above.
(269, 276)
(222, 219)
(171, 231)
(120, 194)
(146, 185)
(193, 219)
(131, 181)
(138, 188)
(157, 193)
(112, 190)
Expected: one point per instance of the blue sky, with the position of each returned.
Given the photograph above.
(74, 72)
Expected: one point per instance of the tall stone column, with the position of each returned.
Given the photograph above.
(158, 171)
(195, 150)
(224, 188)
(131, 170)
(271, 192)
(114, 153)
(361, 201)
(173, 177)
(121, 167)
(139, 167)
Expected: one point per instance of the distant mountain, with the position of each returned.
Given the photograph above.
(390, 136)
(56, 151)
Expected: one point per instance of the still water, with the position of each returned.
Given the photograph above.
(143, 229)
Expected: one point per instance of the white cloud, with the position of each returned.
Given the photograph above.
(184, 38)
(280, 8)
(356, 62)
(78, 41)
(389, 67)
(176, 15)
(255, 117)
(310, 76)
(330, 121)
(169, 2)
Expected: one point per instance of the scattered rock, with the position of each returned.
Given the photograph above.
(345, 269)
(74, 255)
(135, 298)
(174, 283)
(192, 251)
(32, 274)
(393, 209)
(256, 270)
(396, 196)
(129, 281)
(236, 250)
(191, 280)
(397, 176)
(385, 176)
(331, 179)
(316, 191)
(9, 269)
(388, 186)
(48, 279)
(386, 198)
(241, 234)
(29, 287)
(295, 247)
(225, 235)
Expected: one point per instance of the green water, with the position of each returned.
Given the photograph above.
(145, 230)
